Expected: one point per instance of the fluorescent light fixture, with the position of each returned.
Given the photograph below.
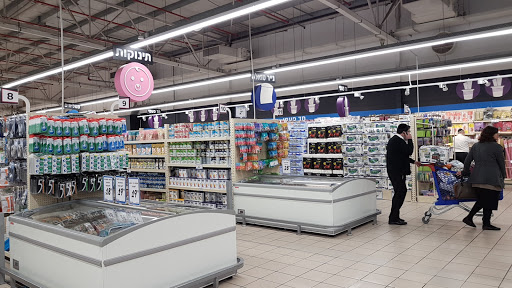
(398, 74)
(202, 83)
(49, 110)
(58, 70)
(88, 60)
(261, 5)
(99, 101)
(392, 50)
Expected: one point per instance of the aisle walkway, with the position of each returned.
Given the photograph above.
(444, 253)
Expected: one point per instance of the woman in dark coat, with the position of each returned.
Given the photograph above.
(487, 177)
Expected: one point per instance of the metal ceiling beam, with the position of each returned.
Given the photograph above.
(345, 11)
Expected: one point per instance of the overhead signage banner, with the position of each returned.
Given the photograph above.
(264, 78)
(132, 55)
(134, 81)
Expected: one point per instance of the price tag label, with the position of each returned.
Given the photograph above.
(124, 103)
(199, 167)
(108, 188)
(9, 96)
(134, 191)
(121, 190)
(286, 166)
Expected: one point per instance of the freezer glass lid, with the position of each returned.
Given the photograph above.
(98, 220)
(295, 181)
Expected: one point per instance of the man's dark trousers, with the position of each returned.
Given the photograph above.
(400, 191)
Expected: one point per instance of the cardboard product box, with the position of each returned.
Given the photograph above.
(374, 149)
(321, 148)
(353, 161)
(352, 138)
(312, 132)
(327, 164)
(307, 163)
(374, 160)
(372, 138)
(375, 171)
(337, 164)
(381, 182)
(318, 164)
(334, 131)
(353, 171)
(434, 154)
(312, 148)
(352, 150)
(352, 128)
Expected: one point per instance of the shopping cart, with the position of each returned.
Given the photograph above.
(444, 181)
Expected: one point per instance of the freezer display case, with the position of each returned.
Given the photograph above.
(95, 244)
(314, 204)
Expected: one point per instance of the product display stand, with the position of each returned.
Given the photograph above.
(42, 199)
(160, 170)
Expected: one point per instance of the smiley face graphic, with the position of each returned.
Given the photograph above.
(135, 81)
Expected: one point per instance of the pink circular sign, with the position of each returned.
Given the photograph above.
(135, 81)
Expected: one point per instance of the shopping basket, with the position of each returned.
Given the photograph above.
(444, 181)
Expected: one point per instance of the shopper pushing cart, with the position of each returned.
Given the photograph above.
(485, 184)
(487, 177)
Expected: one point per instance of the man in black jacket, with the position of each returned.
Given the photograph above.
(398, 162)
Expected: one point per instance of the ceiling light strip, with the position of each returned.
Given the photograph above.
(402, 48)
(210, 21)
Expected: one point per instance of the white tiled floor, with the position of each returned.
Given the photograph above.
(444, 253)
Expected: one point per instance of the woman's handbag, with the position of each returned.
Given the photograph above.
(464, 191)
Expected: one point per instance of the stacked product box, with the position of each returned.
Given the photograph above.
(325, 149)
(145, 149)
(211, 179)
(297, 148)
(375, 138)
(352, 141)
(150, 180)
(207, 152)
(219, 129)
(211, 200)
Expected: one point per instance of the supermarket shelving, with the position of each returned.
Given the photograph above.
(157, 141)
(220, 166)
(146, 156)
(197, 189)
(153, 190)
(174, 140)
(147, 170)
(323, 155)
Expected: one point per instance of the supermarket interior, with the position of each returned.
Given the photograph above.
(256, 143)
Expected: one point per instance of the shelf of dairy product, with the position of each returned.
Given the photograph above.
(147, 164)
(155, 150)
(180, 132)
(208, 180)
(200, 153)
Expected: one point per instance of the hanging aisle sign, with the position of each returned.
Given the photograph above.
(134, 81)
(263, 78)
(9, 96)
(132, 55)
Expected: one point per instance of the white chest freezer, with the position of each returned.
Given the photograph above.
(314, 204)
(84, 244)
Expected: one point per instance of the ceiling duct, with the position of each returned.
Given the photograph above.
(423, 11)
(224, 54)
